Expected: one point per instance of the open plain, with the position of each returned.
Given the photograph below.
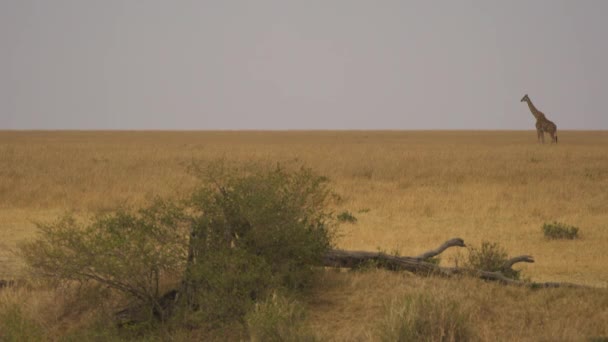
(409, 190)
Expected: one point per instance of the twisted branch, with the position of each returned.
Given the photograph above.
(420, 265)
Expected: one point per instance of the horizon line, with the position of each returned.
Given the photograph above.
(287, 130)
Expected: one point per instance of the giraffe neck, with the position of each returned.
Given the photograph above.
(533, 109)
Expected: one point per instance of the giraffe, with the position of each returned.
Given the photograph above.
(542, 123)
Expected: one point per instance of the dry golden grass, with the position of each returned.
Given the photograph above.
(409, 190)
(351, 306)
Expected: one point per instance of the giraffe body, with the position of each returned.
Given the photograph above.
(542, 123)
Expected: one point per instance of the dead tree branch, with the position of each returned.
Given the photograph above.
(456, 242)
(420, 265)
(522, 258)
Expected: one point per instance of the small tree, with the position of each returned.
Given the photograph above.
(272, 221)
(242, 232)
(127, 251)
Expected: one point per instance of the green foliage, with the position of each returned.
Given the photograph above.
(274, 213)
(423, 317)
(557, 230)
(278, 319)
(490, 257)
(15, 326)
(347, 216)
(126, 251)
(224, 285)
(242, 233)
(253, 230)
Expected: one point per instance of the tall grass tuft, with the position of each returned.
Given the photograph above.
(424, 317)
(16, 326)
(558, 230)
(278, 318)
(490, 257)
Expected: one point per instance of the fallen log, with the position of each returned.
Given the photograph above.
(420, 265)
(354, 259)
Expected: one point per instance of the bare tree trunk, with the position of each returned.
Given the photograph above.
(420, 265)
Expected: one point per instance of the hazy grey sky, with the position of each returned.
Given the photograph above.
(309, 64)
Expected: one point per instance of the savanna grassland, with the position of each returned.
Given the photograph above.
(409, 190)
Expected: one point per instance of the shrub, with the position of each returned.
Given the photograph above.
(241, 233)
(273, 213)
(224, 285)
(490, 257)
(424, 317)
(126, 251)
(253, 230)
(346, 216)
(278, 319)
(557, 230)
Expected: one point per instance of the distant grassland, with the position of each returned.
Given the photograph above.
(410, 190)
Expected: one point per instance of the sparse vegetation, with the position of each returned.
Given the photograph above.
(347, 216)
(423, 317)
(278, 318)
(490, 257)
(557, 230)
(15, 326)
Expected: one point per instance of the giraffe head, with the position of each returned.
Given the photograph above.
(525, 98)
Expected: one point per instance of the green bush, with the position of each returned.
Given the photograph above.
(243, 232)
(557, 230)
(347, 216)
(224, 285)
(424, 317)
(126, 251)
(253, 230)
(278, 319)
(274, 213)
(490, 257)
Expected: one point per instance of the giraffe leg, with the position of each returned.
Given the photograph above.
(553, 138)
(542, 135)
(538, 134)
